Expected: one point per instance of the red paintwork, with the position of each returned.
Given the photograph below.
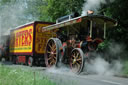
(98, 40)
(79, 20)
(79, 45)
(21, 59)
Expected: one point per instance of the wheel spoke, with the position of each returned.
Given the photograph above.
(78, 59)
(49, 52)
(54, 58)
(54, 53)
(54, 47)
(50, 46)
(53, 61)
(77, 55)
(73, 63)
(54, 50)
(79, 62)
(73, 55)
(50, 55)
(78, 65)
(49, 58)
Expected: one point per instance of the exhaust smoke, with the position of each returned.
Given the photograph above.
(12, 14)
(93, 5)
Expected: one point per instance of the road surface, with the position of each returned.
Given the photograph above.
(65, 77)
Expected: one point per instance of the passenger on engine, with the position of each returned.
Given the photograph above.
(85, 42)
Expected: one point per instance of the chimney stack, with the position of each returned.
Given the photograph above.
(90, 12)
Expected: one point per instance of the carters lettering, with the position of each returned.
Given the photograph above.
(23, 38)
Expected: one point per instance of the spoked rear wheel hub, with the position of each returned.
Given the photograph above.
(52, 52)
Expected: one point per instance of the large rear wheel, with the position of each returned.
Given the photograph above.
(77, 60)
(52, 52)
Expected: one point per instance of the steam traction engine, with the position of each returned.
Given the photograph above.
(76, 38)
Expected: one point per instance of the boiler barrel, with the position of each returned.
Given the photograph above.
(67, 17)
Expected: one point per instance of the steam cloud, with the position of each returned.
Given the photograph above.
(13, 14)
(101, 66)
(63, 69)
(93, 5)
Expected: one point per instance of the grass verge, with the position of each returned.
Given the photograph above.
(11, 76)
(125, 68)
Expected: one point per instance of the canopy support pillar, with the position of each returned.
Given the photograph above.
(91, 29)
(104, 30)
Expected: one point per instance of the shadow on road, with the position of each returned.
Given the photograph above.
(6, 63)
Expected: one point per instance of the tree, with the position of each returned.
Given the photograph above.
(17, 12)
(118, 11)
(57, 8)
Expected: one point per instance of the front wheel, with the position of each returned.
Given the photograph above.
(77, 60)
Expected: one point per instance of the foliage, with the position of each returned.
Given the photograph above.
(57, 8)
(11, 76)
(103, 45)
(37, 9)
(118, 11)
(125, 68)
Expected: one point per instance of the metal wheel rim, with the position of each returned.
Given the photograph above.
(76, 60)
(51, 53)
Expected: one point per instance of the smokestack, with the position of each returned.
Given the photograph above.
(90, 12)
